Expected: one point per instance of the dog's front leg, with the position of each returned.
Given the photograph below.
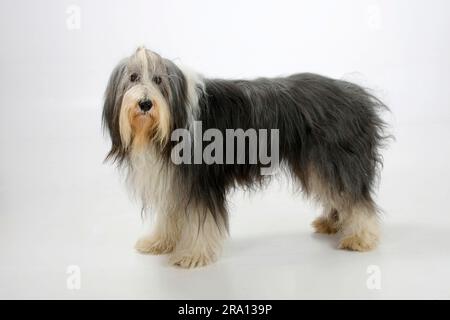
(201, 238)
(164, 236)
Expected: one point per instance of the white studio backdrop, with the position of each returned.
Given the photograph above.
(399, 47)
(60, 206)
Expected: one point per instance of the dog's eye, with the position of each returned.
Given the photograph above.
(134, 77)
(157, 79)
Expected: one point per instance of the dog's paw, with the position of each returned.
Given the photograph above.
(153, 245)
(363, 242)
(192, 261)
(324, 225)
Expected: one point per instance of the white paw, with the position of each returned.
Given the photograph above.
(153, 245)
(324, 225)
(192, 261)
(359, 242)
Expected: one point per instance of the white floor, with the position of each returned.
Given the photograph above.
(61, 206)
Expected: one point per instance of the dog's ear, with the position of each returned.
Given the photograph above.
(177, 93)
(111, 109)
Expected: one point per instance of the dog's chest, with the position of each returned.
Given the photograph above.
(150, 178)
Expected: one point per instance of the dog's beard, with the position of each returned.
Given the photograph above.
(139, 128)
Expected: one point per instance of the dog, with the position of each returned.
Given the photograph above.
(330, 133)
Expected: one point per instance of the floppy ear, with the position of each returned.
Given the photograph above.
(111, 110)
(177, 94)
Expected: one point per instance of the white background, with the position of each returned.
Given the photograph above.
(60, 206)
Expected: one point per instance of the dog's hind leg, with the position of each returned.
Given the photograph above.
(328, 222)
(353, 215)
(360, 227)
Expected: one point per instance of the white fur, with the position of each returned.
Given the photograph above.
(195, 87)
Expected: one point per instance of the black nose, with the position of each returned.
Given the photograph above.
(145, 105)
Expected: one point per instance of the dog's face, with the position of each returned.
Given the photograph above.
(144, 100)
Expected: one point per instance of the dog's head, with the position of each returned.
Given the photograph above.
(145, 100)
